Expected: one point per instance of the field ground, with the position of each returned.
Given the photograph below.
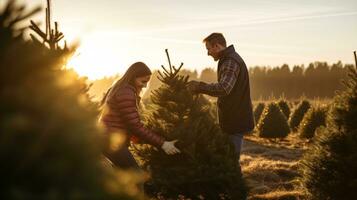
(271, 167)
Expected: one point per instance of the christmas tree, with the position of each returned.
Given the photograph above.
(208, 165)
(329, 166)
(50, 144)
(273, 123)
(313, 119)
(284, 106)
(298, 114)
(258, 111)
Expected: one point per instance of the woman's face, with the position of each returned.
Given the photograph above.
(141, 82)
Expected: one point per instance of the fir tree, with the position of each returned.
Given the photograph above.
(50, 144)
(284, 106)
(313, 119)
(329, 166)
(273, 123)
(258, 111)
(208, 163)
(298, 114)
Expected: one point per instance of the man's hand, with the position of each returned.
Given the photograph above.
(193, 86)
(169, 147)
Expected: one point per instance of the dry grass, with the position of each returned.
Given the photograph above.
(280, 195)
(270, 167)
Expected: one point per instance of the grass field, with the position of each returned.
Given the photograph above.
(271, 167)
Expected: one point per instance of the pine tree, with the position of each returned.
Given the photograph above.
(273, 123)
(284, 106)
(50, 144)
(298, 114)
(208, 164)
(313, 119)
(329, 166)
(258, 111)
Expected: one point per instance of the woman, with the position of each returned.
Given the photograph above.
(121, 118)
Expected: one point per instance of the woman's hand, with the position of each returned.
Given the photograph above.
(169, 147)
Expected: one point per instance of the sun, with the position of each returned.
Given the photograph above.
(96, 58)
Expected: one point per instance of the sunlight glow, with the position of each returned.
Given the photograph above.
(96, 58)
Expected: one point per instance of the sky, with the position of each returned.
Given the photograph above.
(116, 33)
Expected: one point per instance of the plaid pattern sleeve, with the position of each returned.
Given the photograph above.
(228, 75)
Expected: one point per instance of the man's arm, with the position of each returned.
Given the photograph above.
(229, 75)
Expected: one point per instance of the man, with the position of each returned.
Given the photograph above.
(235, 113)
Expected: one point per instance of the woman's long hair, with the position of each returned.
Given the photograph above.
(138, 69)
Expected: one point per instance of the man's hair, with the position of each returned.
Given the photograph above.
(216, 38)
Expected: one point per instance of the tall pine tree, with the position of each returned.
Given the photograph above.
(329, 167)
(208, 163)
(50, 145)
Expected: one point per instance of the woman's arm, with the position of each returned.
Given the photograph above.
(126, 106)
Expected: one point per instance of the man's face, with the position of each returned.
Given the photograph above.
(213, 50)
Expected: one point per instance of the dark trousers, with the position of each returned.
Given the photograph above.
(122, 158)
(237, 140)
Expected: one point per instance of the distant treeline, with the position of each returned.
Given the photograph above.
(317, 80)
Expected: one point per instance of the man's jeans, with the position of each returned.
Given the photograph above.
(237, 140)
